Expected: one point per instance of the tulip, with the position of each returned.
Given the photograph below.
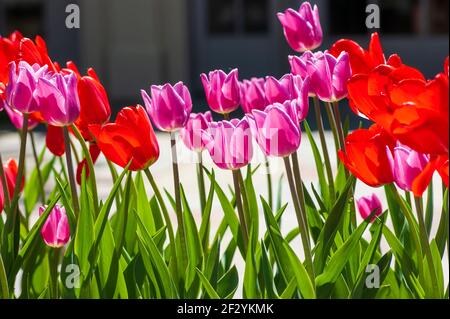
(365, 155)
(287, 88)
(302, 28)
(222, 90)
(94, 103)
(23, 85)
(300, 64)
(406, 164)
(361, 61)
(16, 118)
(9, 51)
(276, 130)
(56, 231)
(193, 132)
(129, 138)
(58, 100)
(10, 169)
(252, 95)
(368, 205)
(329, 76)
(169, 107)
(229, 143)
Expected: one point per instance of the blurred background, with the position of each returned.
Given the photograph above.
(135, 43)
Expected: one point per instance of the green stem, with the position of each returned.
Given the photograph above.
(332, 121)
(324, 149)
(426, 245)
(202, 194)
(90, 163)
(69, 162)
(3, 280)
(176, 185)
(340, 130)
(245, 201)
(269, 182)
(302, 217)
(54, 261)
(165, 213)
(243, 223)
(38, 169)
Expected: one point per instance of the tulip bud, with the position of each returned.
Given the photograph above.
(169, 107)
(222, 90)
(368, 205)
(192, 133)
(302, 28)
(55, 231)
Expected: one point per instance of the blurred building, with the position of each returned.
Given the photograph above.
(135, 43)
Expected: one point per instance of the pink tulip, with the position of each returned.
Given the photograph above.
(302, 28)
(192, 133)
(222, 90)
(368, 205)
(55, 231)
(276, 130)
(406, 164)
(329, 77)
(289, 87)
(299, 64)
(253, 96)
(21, 89)
(169, 107)
(57, 97)
(16, 118)
(229, 143)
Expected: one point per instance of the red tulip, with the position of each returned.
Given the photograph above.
(130, 138)
(421, 182)
(365, 155)
(361, 61)
(10, 169)
(94, 103)
(9, 51)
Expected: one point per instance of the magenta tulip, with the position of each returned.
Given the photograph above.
(406, 164)
(300, 65)
(368, 205)
(192, 133)
(289, 87)
(276, 130)
(55, 231)
(329, 76)
(21, 89)
(58, 100)
(222, 90)
(229, 143)
(253, 96)
(169, 107)
(302, 28)
(16, 118)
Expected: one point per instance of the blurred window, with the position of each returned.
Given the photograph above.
(26, 17)
(237, 16)
(396, 17)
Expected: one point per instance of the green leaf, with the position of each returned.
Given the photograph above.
(251, 289)
(338, 261)
(203, 233)
(228, 283)
(31, 190)
(209, 289)
(304, 284)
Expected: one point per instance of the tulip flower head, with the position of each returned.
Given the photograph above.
(302, 28)
(229, 143)
(57, 97)
(56, 231)
(169, 106)
(129, 138)
(192, 133)
(276, 130)
(406, 164)
(253, 96)
(222, 90)
(22, 86)
(368, 205)
(289, 87)
(10, 168)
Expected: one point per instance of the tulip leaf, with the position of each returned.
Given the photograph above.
(250, 274)
(228, 283)
(31, 190)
